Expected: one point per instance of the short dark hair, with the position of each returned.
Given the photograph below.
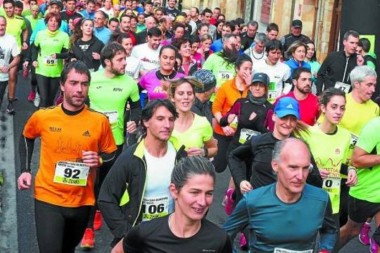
(53, 15)
(179, 42)
(366, 44)
(77, 66)
(230, 25)
(109, 51)
(177, 24)
(273, 45)
(154, 32)
(19, 4)
(272, 27)
(297, 73)
(206, 10)
(113, 20)
(151, 107)
(9, 2)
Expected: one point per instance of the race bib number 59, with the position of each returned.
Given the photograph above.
(71, 173)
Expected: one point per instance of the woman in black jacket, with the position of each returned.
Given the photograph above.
(85, 46)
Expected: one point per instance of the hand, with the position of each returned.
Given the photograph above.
(118, 247)
(359, 60)
(25, 64)
(247, 78)
(24, 181)
(231, 118)
(53, 56)
(35, 64)
(90, 158)
(228, 131)
(24, 46)
(195, 152)
(4, 69)
(352, 178)
(131, 127)
(96, 56)
(324, 173)
(245, 186)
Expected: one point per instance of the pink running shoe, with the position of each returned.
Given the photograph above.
(364, 237)
(31, 96)
(243, 242)
(229, 207)
(373, 248)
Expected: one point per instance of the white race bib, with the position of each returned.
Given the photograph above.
(281, 250)
(155, 207)
(112, 116)
(225, 75)
(332, 185)
(343, 86)
(49, 61)
(71, 173)
(246, 135)
(273, 94)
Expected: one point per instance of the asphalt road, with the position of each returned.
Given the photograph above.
(17, 221)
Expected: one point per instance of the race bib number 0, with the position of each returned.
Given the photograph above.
(246, 135)
(332, 185)
(49, 61)
(155, 207)
(343, 86)
(71, 173)
(281, 250)
(112, 116)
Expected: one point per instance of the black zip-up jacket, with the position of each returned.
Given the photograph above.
(82, 51)
(121, 194)
(336, 68)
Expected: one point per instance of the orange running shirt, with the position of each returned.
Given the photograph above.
(63, 138)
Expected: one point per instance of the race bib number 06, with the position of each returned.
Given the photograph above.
(71, 173)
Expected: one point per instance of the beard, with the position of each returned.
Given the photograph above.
(230, 54)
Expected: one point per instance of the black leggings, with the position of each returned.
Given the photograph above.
(220, 160)
(47, 88)
(101, 175)
(3, 86)
(59, 229)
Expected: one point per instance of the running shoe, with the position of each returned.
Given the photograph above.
(88, 240)
(10, 109)
(364, 237)
(37, 100)
(373, 248)
(31, 96)
(98, 220)
(229, 201)
(243, 242)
